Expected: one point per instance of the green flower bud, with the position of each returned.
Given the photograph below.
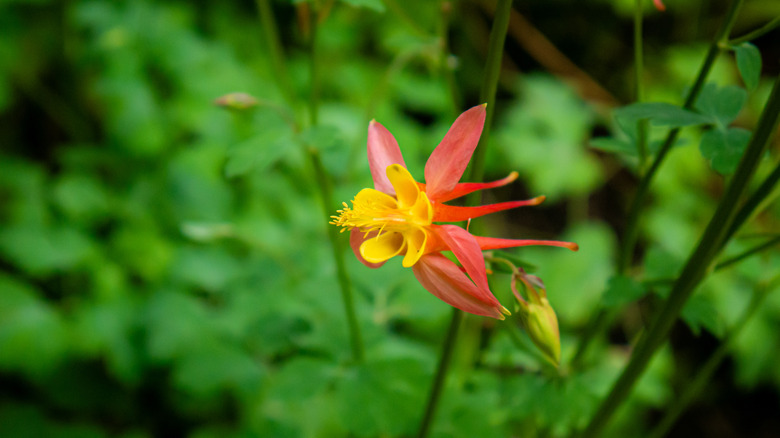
(537, 316)
(541, 324)
(236, 101)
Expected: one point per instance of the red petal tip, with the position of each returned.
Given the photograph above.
(538, 200)
(484, 105)
(572, 246)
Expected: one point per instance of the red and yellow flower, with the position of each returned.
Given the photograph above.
(398, 217)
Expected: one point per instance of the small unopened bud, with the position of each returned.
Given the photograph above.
(537, 316)
(541, 324)
(236, 101)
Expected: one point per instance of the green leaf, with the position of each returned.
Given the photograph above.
(748, 64)
(376, 5)
(614, 145)
(215, 366)
(258, 153)
(622, 290)
(40, 251)
(329, 142)
(387, 394)
(661, 114)
(724, 148)
(540, 136)
(721, 103)
(699, 312)
(33, 337)
(287, 386)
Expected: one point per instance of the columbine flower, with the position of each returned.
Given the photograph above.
(396, 217)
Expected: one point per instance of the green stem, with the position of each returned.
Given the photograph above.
(314, 79)
(602, 320)
(326, 192)
(766, 191)
(441, 373)
(695, 269)
(632, 229)
(639, 89)
(487, 94)
(756, 33)
(755, 250)
(275, 48)
(705, 373)
(488, 91)
(446, 71)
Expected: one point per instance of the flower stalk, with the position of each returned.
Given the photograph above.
(487, 94)
(705, 372)
(698, 265)
(603, 318)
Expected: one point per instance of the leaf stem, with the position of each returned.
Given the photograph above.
(705, 372)
(632, 231)
(698, 265)
(759, 198)
(326, 192)
(441, 373)
(639, 88)
(487, 94)
(314, 79)
(602, 320)
(756, 249)
(275, 48)
(756, 33)
(488, 91)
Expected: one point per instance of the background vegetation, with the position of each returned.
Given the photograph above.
(164, 263)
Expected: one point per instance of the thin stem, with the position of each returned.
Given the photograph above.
(593, 331)
(756, 33)
(765, 192)
(637, 203)
(695, 269)
(639, 89)
(274, 48)
(756, 249)
(601, 320)
(705, 372)
(489, 86)
(488, 94)
(446, 71)
(314, 79)
(441, 373)
(326, 192)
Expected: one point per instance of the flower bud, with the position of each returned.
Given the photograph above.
(541, 324)
(538, 317)
(236, 101)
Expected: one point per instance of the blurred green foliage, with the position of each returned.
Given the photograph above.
(164, 269)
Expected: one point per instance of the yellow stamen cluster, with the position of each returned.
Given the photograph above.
(400, 223)
(374, 211)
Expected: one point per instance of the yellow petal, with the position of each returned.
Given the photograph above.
(382, 247)
(375, 198)
(422, 210)
(415, 246)
(406, 189)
